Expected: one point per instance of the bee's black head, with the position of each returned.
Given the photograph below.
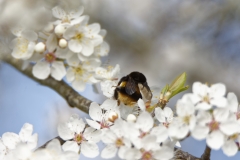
(137, 76)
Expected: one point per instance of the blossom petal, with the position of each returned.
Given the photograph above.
(200, 89)
(230, 148)
(75, 46)
(203, 106)
(26, 132)
(217, 90)
(70, 146)
(79, 85)
(145, 121)
(219, 102)
(41, 70)
(10, 140)
(215, 140)
(89, 149)
(87, 47)
(232, 102)
(93, 124)
(64, 132)
(160, 132)
(109, 151)
(95, 111)
(58, 70)
(70, 74)
(230, 127)
(200, 132)
(220, 114)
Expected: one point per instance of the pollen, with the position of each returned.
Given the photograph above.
(214, 125)
(119, 142)
(50, 57)
(79, 36)
(147, 156)
(206, 99)
(186, 119)
(78, 138)
(78, 70)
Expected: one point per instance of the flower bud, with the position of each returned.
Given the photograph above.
(59, 30)
(131, 118)
(63, 43)
(40, 47)
(112, 116)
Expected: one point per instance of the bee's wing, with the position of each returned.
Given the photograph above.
(130, 86)
(145, 91)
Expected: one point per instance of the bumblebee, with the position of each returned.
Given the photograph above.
(132, 87)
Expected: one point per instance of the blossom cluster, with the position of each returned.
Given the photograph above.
(67, 46)
(204, 114)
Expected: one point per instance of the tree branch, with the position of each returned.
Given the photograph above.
(73, 99)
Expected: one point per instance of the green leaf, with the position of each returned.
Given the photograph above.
(178, 82)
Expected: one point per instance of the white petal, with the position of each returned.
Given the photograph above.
(92, 135)
(121, 152)
(94, 28)
(220, 114)
(70, 146)
(160, 132)
(230, 127)
(3, 150)
(200, 132)
(26, 132)
(109, 137)
(29, 35)
(95, 111)
(141, 104)
(70, 32)
(230, 148)
(145, 121)
(204, 117)
(185, 108)
(77, 12)
(70, 74)
(58, 12)
(159, 114)
(109, 151)
(58, 70)
(165, 153)
(41, 70)
(54, 146)
(64, 132)
(10, 140)
(109, 104)
(52, 42)
(79, 85)
(75, 124)
(89, 149)
(87, 47)
(75, 46)
(177, 130)
(203, 106)
(219, 102)
(93, 124)
(32, 141)
(215, 140)
(200, 89)
(232, 102)
(217, 90)
(73, 60)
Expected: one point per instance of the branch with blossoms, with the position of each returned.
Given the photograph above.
(148, 129)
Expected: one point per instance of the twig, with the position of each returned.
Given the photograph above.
(207, 153)
(73, 98)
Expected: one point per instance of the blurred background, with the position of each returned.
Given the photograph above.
(160, 38)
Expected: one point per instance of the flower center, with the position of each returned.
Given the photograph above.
(22, 45)
(214, 125)
(104, 124)
(66, 20)
(79, 70)
(79, 36)
(146, 156)
(186, 119)
(206, 99)
(78, 138)
(119, 142)
(50, 57)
